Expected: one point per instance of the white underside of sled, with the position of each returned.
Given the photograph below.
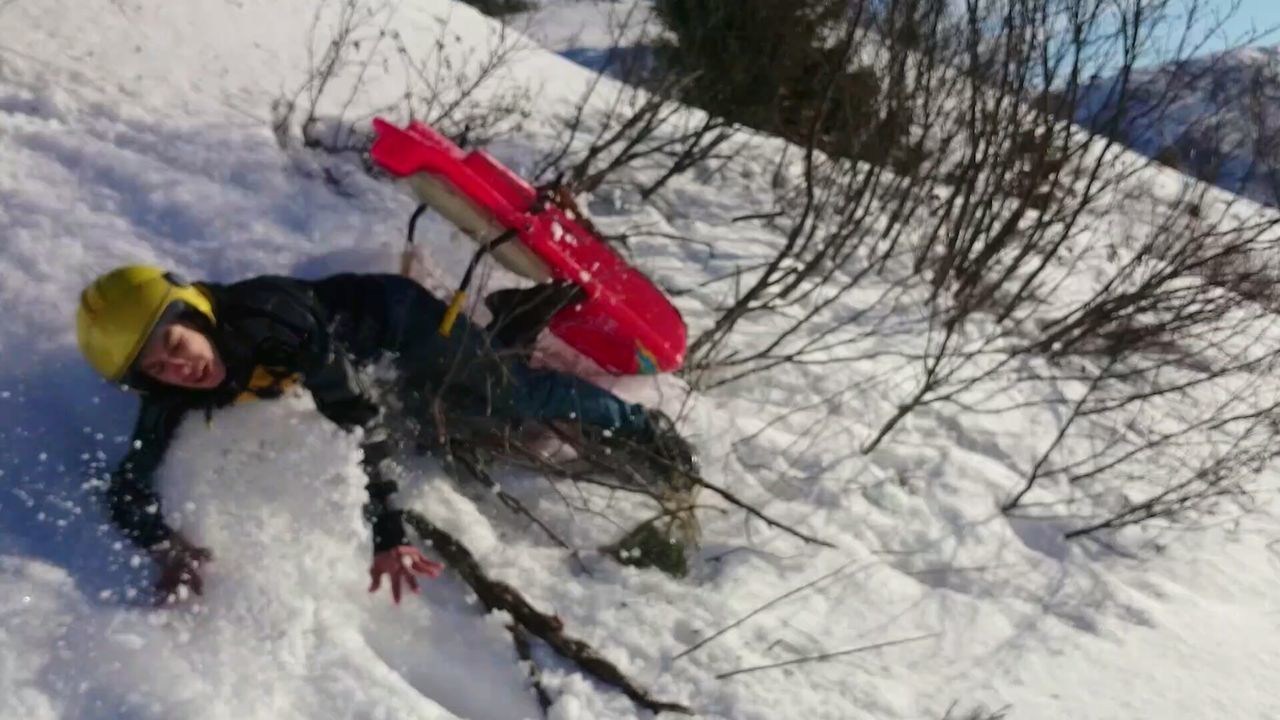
(476, 224)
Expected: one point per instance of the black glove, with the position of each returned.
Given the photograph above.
(179, 561)
(520, 314)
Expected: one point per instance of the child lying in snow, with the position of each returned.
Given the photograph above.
(203, 346)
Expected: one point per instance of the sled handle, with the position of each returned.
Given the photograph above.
(460, 296)
(407, 255)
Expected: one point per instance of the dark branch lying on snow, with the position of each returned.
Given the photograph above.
(497, 595)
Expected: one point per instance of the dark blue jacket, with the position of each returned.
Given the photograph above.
(274, 332)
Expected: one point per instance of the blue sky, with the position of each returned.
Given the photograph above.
(1260, 13)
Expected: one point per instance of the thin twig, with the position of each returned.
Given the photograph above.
(828, 656)
(759, 610)
(524, 651)
(759, 216)
(775, 523)
(472, 466)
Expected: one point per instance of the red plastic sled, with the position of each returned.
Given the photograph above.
(627, 326)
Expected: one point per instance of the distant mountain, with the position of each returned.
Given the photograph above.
(1216, 118)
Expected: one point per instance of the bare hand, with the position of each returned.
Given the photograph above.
(178, 561)
(401, 563)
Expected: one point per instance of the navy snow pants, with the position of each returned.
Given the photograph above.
(474, 377)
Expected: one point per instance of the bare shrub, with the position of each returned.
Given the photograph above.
(1005, 265)
(451, 84)
(635, 132)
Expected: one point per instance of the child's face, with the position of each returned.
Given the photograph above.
(178, 354)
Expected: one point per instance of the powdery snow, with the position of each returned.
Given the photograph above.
(139, 131)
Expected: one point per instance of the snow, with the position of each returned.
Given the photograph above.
(587, 31)
(139, 131)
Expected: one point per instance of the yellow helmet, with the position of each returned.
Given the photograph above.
(119, 310)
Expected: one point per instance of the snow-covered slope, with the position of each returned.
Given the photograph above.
(590, 33)
(1216, 117)
(139, 130)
